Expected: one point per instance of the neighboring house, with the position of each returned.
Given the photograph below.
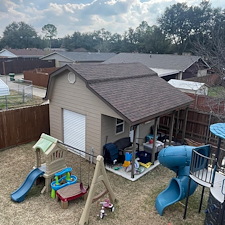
(192, 87)
(62, 58)
(167, 66)
(24, 53)
(94, 104)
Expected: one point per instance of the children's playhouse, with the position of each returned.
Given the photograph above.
(52, 153)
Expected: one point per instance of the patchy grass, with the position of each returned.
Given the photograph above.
(135, 200)
(15, 100)
(217, 91)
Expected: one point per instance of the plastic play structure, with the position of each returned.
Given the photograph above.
(54, 153)
(20, 193)
(64, 181)
(178, 159)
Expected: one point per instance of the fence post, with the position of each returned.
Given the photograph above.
(185, 124)
(23, 95)
(207, 134)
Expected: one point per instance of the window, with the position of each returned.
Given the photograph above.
(119, 126)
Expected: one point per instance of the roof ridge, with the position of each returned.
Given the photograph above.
(93, 81)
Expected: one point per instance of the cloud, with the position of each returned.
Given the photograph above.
(69, 16)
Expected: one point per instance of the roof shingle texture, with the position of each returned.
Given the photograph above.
(87, 56)
(133, 90)
(163, 61)
(29, 52)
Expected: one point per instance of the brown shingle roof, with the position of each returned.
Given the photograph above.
(132, 90)
(101, 72)
(28, 52)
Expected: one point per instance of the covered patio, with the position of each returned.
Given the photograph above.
(150, 147)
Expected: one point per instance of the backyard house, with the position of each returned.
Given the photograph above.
(24, 53)
(94, 104)
(192, 87)
(167, 66)
(62, 58)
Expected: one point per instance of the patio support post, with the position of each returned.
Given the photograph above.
(177, 123)
(171, 127)
(154, 140)
(185, 124)
(133, 151)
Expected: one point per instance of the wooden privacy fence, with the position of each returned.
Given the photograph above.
(197, 127)
(39, 76)
(18, 65)
(23, 125)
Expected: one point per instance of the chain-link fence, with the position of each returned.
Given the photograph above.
(21, 91)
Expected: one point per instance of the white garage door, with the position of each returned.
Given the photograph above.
(74, 129)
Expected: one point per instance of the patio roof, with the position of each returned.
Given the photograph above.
(133, 90)
(4, 89)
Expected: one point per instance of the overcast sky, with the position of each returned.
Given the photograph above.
(69, 16)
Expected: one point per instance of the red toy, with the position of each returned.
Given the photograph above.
(106, 205)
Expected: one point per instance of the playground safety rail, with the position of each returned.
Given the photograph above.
(203, 168)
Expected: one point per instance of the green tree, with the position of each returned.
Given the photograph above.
(50, 31)
(175, 23)
(156, 42)
(20, 35)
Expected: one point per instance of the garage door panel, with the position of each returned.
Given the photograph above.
(74, 129)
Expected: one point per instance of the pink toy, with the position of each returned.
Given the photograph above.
(105, 205)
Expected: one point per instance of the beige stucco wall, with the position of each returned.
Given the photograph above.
(78, 98)
(109, 130)
(144, 129)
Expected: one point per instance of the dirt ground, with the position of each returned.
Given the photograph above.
(135, 200)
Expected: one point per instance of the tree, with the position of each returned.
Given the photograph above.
(156, 42)
(20, 35)
(50, 31)
(175, 23)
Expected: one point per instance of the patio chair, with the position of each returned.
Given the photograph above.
(125, 145)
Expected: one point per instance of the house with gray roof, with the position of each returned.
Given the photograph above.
(167, 66)
(24, 53)
(62, 58)
(94, 104)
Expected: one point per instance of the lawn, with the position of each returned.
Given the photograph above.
(217, 91)
(135, 200)
(15, 100)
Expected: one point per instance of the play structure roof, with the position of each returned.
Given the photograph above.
(45, 142)
(218, 129)
(4, 89)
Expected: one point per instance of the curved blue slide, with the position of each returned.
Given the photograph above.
(176, 158)
(20, 193)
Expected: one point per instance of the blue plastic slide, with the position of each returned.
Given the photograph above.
(20, 193)
(177, 158)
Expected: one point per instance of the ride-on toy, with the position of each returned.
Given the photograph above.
(106, 205)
